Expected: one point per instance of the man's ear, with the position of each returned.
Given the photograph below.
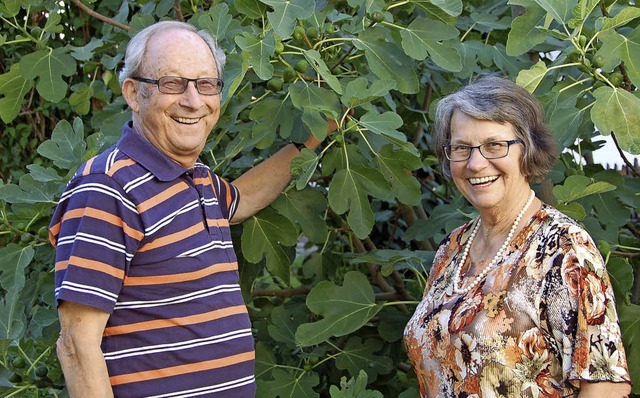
(130, 94)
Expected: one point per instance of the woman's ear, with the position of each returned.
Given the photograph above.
(130, 94)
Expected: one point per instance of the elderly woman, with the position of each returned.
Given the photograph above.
(518, 301)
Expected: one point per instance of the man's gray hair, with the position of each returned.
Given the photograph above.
(499, 100)
(136, 49)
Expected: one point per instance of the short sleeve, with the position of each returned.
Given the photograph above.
(96, 230)
(582, 312)
(228, 195)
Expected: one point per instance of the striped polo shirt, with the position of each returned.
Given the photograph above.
(147, 241)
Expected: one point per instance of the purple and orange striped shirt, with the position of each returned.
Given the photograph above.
(142, 238)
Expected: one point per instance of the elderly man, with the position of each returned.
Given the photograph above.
(146, 274)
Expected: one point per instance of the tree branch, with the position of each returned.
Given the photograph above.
(100, 16)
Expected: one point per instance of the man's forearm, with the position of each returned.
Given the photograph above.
(84, 368)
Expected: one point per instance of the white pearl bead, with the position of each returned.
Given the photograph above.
(496, 258)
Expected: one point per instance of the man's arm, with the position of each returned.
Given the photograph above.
(78, 347)
(262, 184)
(604, 389)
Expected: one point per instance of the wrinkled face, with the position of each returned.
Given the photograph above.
(177, 124)
(488, 184)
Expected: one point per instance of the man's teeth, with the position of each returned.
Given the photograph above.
(187, 120)
(482, 180)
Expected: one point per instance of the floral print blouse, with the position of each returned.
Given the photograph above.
(540, 322)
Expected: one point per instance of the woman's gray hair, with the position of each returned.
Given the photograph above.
(499, 100)
(135, 55)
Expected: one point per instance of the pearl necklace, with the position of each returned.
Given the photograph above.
(494, 262)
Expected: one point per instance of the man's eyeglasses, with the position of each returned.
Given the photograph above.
(178, 84)
(490, 150)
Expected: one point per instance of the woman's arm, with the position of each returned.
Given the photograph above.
(81, 359)
(604, 389)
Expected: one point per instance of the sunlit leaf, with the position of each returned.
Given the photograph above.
(251, 8)
(622, 18)
(577, 187)
(524, 33)
(618, 111)
(530, 79)
(560, 10)
(13, 88)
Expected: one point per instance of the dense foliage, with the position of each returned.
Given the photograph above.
(334, 268)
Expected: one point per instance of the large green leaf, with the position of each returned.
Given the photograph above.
(49, 66)
(307, 208)
(577, 187)
(358, 355)
(560, 10)
(442, 220)
(254, 9)
(272, 115)
(616, 48)
(284, 324)
(348, 190)
(31, 191)
(86, 52)
(317, 63)
(524, 33)
(289, 385)
(303, 167)
(621, 275)
(344, 309)
(304, 95)
(563, 116)
(12, 318)
(383, 123)
(387, 61)
(581, 12)
(354, 388)
(622, 18)
(530, 79)
(396, 166)
(451, 7)
(357, 93)
(66, 145)
(14, 260)
(80, 99)
(261, 51)
(13, 88)
(216, 20)
(264, 236)
(285, 12)
(618, 111)
(424, 37)
(630, 322)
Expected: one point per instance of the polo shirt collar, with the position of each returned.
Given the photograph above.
(145, 153)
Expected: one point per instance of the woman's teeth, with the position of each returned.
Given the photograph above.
(482, 180)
